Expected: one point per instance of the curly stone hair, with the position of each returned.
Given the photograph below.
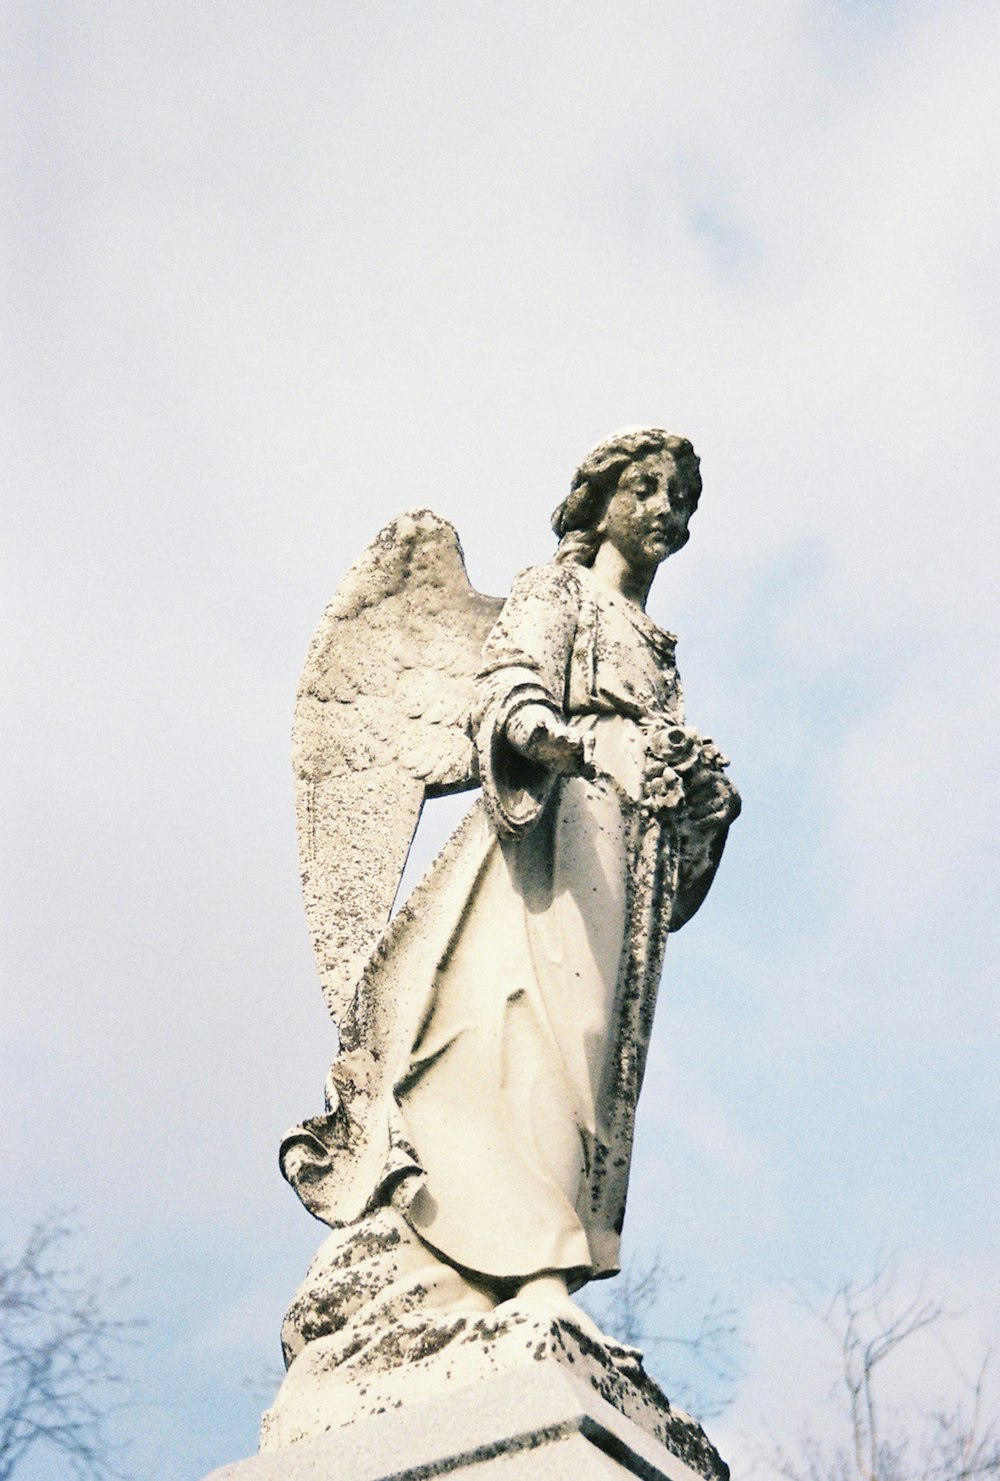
(594, 483)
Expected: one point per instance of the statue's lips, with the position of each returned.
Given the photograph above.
(667, 538)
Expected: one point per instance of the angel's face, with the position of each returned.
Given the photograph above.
(647, 517)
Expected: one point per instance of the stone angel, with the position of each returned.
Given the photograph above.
(474, 1153)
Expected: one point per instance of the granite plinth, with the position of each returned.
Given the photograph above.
(538, 1423)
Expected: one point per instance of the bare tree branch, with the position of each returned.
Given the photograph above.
(628, 1311)
(59, 1356)
(869, 1322)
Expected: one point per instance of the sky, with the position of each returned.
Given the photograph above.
(276, 272)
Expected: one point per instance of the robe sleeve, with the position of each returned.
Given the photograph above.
(526, 660)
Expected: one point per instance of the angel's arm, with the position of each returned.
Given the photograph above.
(537, 733)
(526, 656)
(518, 716)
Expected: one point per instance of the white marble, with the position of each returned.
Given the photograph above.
(537, 1419)
(473, 1156)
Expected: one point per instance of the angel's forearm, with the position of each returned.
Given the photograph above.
(530, 721)
(539, 733)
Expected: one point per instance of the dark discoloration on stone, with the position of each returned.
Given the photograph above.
(570, 716)
(363, 1336)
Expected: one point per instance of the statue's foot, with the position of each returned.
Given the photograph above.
(547, 1296)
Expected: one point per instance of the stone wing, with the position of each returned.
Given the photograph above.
(380, 723)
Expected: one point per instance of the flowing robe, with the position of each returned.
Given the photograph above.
(493, 1059)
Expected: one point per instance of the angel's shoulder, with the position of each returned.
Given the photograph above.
(558, 585)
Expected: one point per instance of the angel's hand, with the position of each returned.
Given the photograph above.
(539, 734)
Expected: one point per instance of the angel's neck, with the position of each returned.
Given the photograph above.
(619, 575)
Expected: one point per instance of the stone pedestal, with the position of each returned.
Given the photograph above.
(559, 1412)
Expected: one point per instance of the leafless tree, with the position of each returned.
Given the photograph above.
(60, 1353)
(630, 1308)
(869, 1322)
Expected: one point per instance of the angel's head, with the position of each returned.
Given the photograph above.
(637, 489)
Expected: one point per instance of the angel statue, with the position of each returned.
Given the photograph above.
(473, 1157)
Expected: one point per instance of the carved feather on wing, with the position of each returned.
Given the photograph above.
(380, 723)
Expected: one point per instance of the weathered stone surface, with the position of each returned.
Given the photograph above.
(542, 1418)
(380, 721)
(419, 1357)
(363, 1282)
(379, 1324)
(473, 1156)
